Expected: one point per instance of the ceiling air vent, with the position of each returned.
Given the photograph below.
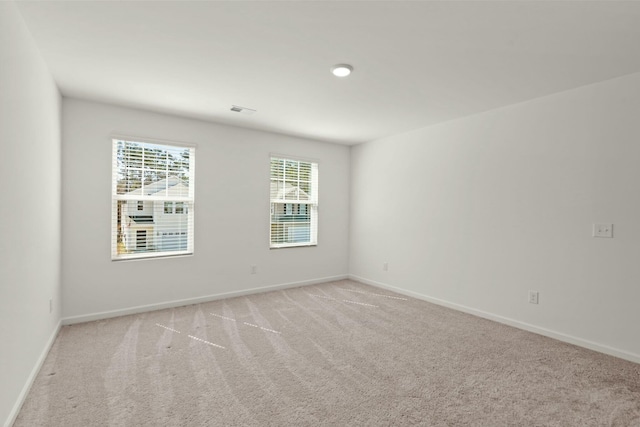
(243, 110)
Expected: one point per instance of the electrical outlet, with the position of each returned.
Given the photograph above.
(254, 269)
(385, 266)
(603, 230)
(533, 297)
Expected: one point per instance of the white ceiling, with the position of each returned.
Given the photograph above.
(416, 63)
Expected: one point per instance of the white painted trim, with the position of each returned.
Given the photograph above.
(155, 141)
(32, 376)
(178, 303)
(601, 348)
(293, 157)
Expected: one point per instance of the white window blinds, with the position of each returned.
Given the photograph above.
(152, 199)
(294, 202)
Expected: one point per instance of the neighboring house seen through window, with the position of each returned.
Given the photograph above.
(294, 202)
(153, 196)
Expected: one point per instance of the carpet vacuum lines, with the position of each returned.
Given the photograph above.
(206, 342)
(192, 337)
(344, 300)
(335, 364)
(167, 328)
(246, 323)
(375, 295)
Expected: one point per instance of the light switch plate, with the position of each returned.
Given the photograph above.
(603, 230)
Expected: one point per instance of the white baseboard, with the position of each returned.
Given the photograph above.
(178, 303)
(32, 376)
(632, 357)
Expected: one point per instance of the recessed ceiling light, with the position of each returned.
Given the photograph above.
(341, 70)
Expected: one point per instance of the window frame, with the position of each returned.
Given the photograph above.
(312, 205)
(189, 200)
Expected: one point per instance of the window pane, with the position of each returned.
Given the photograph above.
(305, 171)
(290, 223)
(305, 190)
(277, 168)
(145, 222)
(291, 170)
(154, 159)
(153, 176)
(140, 232)
(129, 181)
(277, 188)
(293, 223)
(131, 154)
(291, 190)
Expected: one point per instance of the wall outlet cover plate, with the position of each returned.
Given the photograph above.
(603, 230)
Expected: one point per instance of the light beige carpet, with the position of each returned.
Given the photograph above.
(336, 354)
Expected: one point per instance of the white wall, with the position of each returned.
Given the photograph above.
(231, 213)
(29, 209)
(477, 211)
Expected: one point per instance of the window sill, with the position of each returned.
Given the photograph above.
(138, 257)
(293, 245)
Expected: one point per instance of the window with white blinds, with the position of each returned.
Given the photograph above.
(152, 199)
(294, 202)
